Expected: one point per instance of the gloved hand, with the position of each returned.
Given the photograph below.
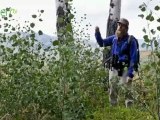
(97, 29)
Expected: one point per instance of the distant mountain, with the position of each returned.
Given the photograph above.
(47, 40)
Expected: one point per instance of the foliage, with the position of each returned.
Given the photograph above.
(151, 68)
(120, 113)
(63, 81)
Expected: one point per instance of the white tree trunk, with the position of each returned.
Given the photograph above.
(114, 16)
(62, 11)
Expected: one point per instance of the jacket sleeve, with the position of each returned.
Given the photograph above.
(104, 42)
(133, 58)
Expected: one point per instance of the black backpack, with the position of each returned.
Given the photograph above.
(108, 57)
(137, 64)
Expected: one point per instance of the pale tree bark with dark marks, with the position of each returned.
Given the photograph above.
(62, 13)
(114, 16)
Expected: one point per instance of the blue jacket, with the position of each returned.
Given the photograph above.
(118, 47)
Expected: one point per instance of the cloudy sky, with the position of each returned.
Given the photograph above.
(96, 10)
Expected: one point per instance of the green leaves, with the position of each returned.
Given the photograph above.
(55, 43)
(10, 15)
(158, 55)
(5, 30)
(39, 46)
(41, 65)
(158, 20)
(150, 17)
(151, 63)
(153, 31)
(146, 39)
(69, 28)
(32, 25)
(141, 15)
(40, 32)
(5, 18)
(32, 35)
(150, 32)
(8, 9)
(143, 7)
(42, 11)
(14, 37)
(40, 20)
(13, 29)
(156, 43)
(144, 30)
(158, 28)
(71, 16)
(157, 8)
(34, 16)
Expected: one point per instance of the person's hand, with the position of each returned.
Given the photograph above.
(129, 80)
(97, 29)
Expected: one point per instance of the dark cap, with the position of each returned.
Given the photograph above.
(123, 21)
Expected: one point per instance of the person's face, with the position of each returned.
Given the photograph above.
(121, 30)
(122, 27)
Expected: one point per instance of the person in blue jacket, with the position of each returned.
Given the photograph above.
(122, 63)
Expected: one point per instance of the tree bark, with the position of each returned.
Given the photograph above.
(114, 16)
(62, 13)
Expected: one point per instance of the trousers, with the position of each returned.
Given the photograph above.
(120, 82)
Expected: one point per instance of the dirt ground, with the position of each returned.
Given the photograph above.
(144, 54)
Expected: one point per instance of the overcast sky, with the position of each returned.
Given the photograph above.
(96, 10)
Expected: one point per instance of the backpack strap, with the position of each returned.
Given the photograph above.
(130, 39)
(129, 43)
